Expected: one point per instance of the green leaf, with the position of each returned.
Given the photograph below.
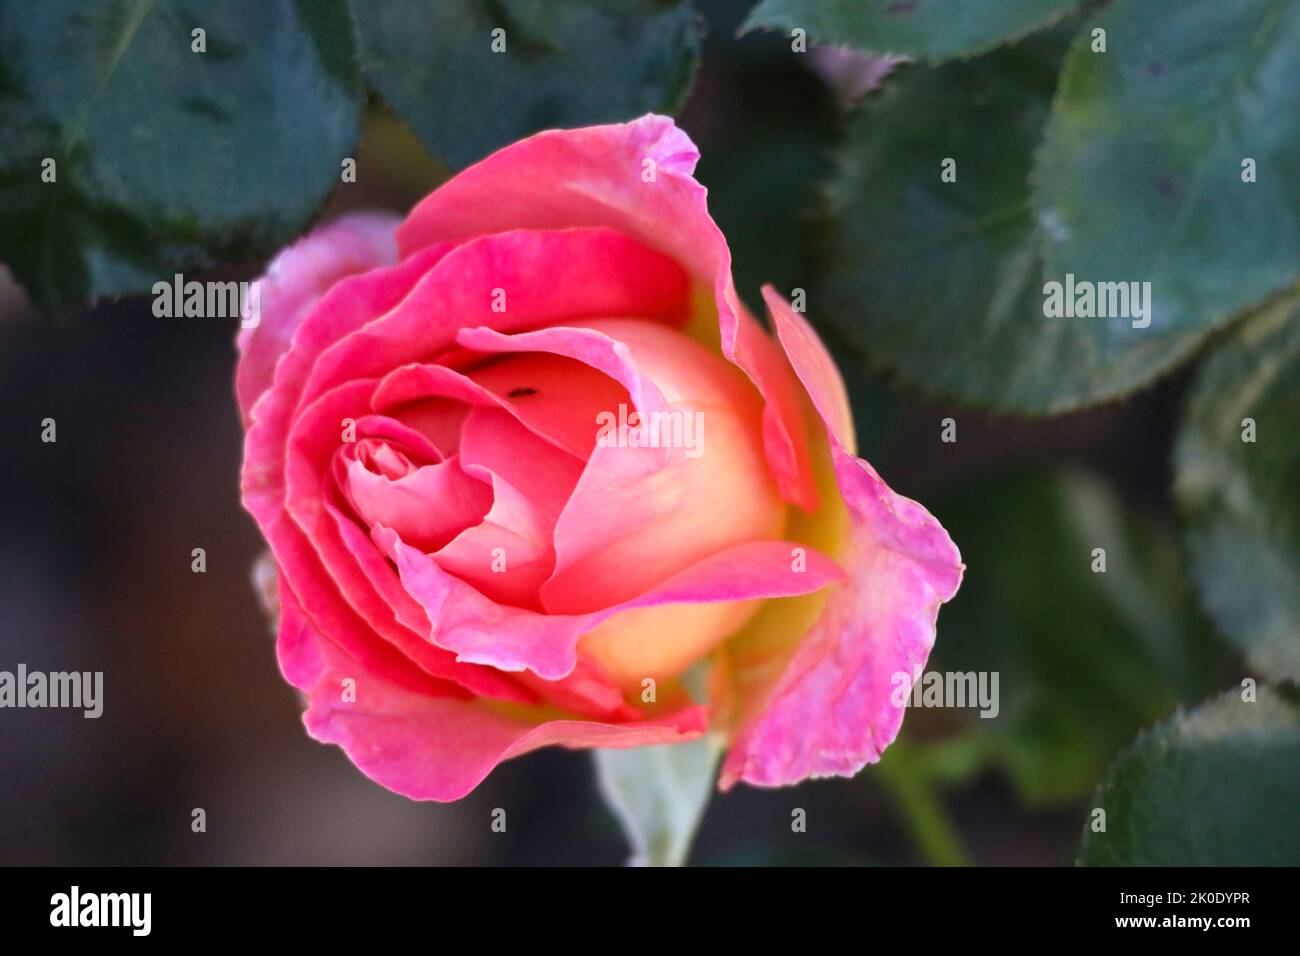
(1084, 659)
(564, 64)
(930, 30)
(1140, 177)
(941, 282)
(165, 159)
(1139, 180)
(1215, 787)
(659, 794)
(1241, 498)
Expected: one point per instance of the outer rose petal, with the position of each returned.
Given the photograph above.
(593, 177)
(428, 747)
(830, 713)
(295, 281)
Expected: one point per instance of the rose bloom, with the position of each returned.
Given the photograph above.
(469, 563)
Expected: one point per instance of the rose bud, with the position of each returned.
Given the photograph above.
(531, 474)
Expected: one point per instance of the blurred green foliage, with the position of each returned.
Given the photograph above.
(1237, 474)
(1086, 657)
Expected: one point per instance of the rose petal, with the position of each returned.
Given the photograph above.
(831, 712)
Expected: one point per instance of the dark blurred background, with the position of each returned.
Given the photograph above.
(96, 533)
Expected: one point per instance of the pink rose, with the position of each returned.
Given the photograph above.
(475, 559)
